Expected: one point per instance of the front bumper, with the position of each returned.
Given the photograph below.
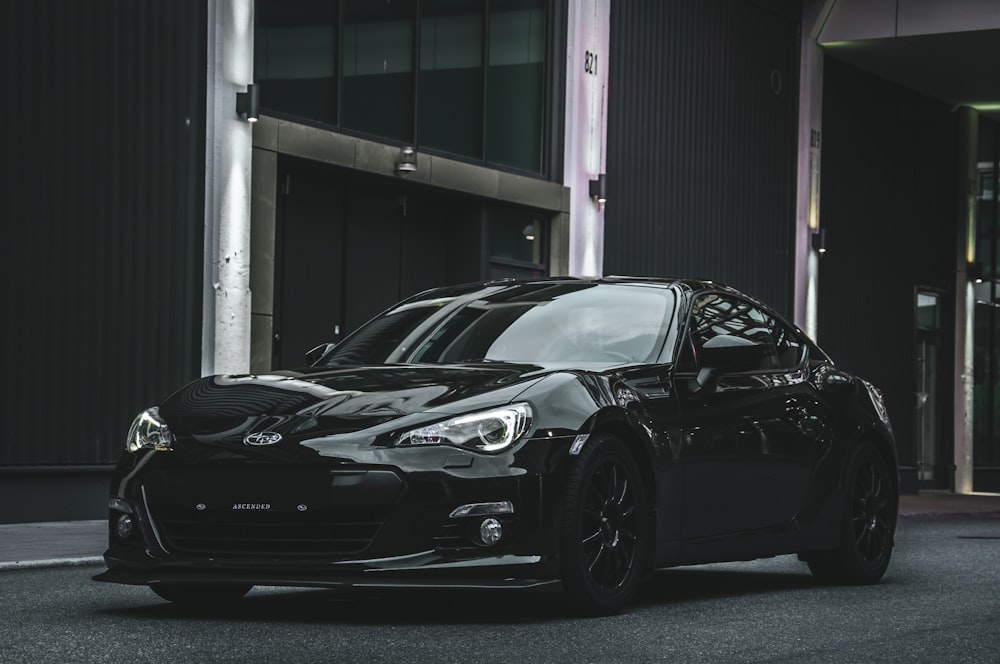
(331, 525)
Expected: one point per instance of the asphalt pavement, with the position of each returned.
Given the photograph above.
(69, 543)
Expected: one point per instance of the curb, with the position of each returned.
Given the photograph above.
(994, 514)
(51, 562)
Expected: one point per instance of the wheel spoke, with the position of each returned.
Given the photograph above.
(593, 563)
(620, 497)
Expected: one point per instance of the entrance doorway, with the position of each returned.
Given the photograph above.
(348, 245)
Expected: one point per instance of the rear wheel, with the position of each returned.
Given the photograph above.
(867, 527)
(201, 593)
(604, 528)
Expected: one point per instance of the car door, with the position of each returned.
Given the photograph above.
(750, 436)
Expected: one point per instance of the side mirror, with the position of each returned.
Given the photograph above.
(317, 353)
(726, 354)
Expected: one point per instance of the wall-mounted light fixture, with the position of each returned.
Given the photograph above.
(599, 189)
(407, 161)
(248, 103)
(819, 241)
(974, 272)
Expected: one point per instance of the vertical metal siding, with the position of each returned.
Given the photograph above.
(104, 119)
(889, 201)
(701, 151)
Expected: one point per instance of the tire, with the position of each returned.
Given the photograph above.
(201, 593)
(868, 524)
(604, 528)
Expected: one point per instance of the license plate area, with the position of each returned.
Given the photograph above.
(270, 511)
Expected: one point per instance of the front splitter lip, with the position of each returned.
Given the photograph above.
(422, 570)
(346, 583)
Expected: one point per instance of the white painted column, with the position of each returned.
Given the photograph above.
(807, 259)
(965, 302)
(586, 130)
(226, 304)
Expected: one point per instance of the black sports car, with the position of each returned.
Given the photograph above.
(554, 433)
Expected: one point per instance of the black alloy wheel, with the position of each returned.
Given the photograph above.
(868, 526)
(870, 516)
(604, 526)
(201, 593)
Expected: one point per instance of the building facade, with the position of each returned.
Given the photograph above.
(837, 159)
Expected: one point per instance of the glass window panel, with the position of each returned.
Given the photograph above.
(927, 311)
(514, 86)
(378, 68)
(451, 76)
(516, 235)
(295, 58)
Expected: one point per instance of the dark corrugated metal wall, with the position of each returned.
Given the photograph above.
(889, 207)
(702, 131)
(104, 123)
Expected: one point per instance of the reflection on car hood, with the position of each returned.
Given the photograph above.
(334, 400)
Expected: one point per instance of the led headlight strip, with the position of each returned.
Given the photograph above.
(487, 431)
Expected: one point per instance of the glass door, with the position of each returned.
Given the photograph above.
(934, 471)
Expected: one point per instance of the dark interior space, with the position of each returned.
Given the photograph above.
(348, 246)
(888, 206)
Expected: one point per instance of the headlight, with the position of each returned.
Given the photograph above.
(488, 431)
(878, 401)
(148, 430)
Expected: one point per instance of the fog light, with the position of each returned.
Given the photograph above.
(123, 526)
(490, 531)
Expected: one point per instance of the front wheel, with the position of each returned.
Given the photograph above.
(604, 528)
(201, 593)
(868, 524)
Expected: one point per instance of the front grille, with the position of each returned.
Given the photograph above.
(255, 511)
(330, 533)
(452, 541)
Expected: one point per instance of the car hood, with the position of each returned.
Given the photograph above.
(323, 401)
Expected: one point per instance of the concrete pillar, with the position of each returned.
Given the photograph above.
(814, 14)
(587, 45)
(226, 305)
(965, 303)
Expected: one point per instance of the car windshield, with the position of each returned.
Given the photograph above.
(536, 323)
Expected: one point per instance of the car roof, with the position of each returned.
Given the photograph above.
(687, 284)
